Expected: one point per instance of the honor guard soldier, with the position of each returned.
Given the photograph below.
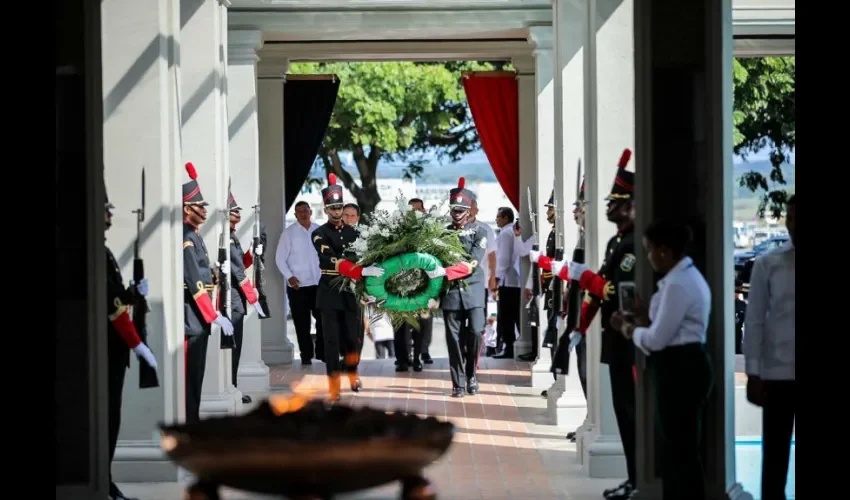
(242, 290)
(122, 336)
(463, 302)
(340, 311)
(198, 311)
(617, 352)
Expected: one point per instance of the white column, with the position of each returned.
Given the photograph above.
(140, 51)
(609, 60)
(528, 137)
(541, 39)
(204, 127)
(242, 46)
(276, 347)
(566, 405)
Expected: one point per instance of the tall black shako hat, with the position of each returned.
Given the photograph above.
(191, 190)
(624, 182)
(332, 195)
(551, 202)
(231, 202)
(460, 197)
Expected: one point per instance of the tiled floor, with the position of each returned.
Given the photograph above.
(502, 449)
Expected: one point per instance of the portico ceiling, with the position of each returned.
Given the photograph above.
(384, 20)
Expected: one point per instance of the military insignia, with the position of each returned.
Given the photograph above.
(200, 285)
(317, 237)
(458, 200)
(322, 248)
(336, 196)
(628, 262)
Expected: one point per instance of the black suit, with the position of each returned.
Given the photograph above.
(463, 308)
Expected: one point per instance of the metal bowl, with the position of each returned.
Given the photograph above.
(318, 450)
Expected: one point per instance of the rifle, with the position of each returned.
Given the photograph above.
(147, 373)
(226, 341)
(260, 266)
(551, 338)
(531, 305)
(561, 361)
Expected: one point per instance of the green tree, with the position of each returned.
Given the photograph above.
(765, 117)
(394, 111)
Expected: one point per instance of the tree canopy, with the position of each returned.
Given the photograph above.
(395, 111)
(765, 117)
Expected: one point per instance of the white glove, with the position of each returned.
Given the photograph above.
(145, 353)
(259, 250)
(557, 265)
(142, 286)
(575, 338)
(533, 255)
(373, 271)
(437, 272)
(225, 324)
(559, 326)
(224, 268)
(368, 299)
(259, 309)
(575, 270)
(433, 303)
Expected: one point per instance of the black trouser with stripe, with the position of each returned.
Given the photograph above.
(195, 347)
(464, 331)
(238, 320)
(342, 330)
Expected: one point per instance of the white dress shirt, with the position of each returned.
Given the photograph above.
(296, 255)
(491, 247)
(507, 260)
(522, 249)
(769, 342)
(678, 311)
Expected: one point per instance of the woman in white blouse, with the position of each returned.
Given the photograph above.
(673, 337)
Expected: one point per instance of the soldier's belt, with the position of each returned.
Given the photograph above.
(208, 287)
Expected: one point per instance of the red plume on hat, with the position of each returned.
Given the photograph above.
(461, 183)
(624, 158)
(332, 179)
(190, 169)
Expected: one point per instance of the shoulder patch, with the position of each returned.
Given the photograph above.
(628, 262)
(187, 244)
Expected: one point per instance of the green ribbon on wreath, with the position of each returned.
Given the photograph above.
(375, 285)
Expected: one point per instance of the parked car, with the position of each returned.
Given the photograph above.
(741, 258)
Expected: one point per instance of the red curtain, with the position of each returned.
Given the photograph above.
(493, 102)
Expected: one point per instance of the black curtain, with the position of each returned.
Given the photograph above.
(307, 105)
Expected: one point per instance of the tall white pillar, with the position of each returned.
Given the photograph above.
(242, 46)
(203, 98)
(141, 44)
(566, 405)
(276, 347)
(540, 37)
(528, 138)
(609, 101)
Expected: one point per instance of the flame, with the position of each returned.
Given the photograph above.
(288, 403)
